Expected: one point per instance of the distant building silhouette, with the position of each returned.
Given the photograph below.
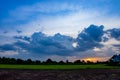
(114, 60)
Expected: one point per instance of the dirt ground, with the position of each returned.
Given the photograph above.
(82, 74)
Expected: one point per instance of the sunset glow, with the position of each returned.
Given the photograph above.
(95, 59)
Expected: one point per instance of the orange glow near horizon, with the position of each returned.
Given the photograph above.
(95, 59)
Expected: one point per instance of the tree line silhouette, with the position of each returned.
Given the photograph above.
(4, 60)
(113, 61)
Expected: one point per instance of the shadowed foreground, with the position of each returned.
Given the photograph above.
(81, 74)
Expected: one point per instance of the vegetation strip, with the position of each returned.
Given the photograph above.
(13, 66)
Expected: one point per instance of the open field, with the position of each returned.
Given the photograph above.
(80, 74)
(8, 66)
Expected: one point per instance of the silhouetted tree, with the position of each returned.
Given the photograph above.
(77, 62)
(49, 61)
(83, 61)
(61, 62)
(29, 61)
(37, 62)
(89, 62)
(20, 61)
(12, 61)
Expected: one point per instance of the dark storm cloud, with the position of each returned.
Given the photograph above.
(22, 38)
(50, 44)
(39, 43)
(114, 33)
(7, 47)
(42, 39)
(90, 38)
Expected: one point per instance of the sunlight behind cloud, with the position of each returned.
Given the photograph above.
(74, 44)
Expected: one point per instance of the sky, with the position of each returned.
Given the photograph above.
(60, 29)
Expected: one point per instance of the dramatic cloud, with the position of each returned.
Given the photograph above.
(115, 33)
(90, 38)
(39, 43)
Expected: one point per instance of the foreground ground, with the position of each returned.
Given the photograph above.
(81, 74)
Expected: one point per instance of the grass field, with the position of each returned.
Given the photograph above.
(7, 66)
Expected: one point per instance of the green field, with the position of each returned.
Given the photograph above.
(7, 66)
